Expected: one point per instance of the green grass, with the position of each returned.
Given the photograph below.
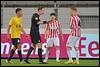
(51, 62)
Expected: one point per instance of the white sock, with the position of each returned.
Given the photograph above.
(46, 55)
(57, 54)
(69, 54)
(77, 55)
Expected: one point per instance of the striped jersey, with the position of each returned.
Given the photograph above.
(74, 25)
(52, 29)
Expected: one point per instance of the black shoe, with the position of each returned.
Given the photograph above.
(43, 63)
(27, 61)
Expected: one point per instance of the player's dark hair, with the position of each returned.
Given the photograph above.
(53, 14)
(18, 9)
(73, 8)
(40, 8)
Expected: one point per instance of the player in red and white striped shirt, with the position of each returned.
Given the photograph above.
(52, 31)
(74, 37)
(75, 25)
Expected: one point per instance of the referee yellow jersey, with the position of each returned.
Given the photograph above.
(16, 24)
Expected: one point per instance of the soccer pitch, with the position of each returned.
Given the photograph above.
(51, 62)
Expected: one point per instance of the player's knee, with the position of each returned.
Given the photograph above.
(48, 48)
(19, 46)
(39, 46)
(33, 45)
(76, 48)
(57, 47)
(14, 48)
(69, 48)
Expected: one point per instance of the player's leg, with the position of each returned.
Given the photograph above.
(57, 44)
(69, 48)
(40, 52)
(31, 48)
(19, 49)
(77, 55)
(70, 61)
(57, 53)
(11, 55)
(48, 47)
(29, 52)
(77, 49)
(14, 47)
(19, 53)
(46, 54)
(37, 39)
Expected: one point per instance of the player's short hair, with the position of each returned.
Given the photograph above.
(74, 8)
(18, 9)
(40, 8)
(53, 14)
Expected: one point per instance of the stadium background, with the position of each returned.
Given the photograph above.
(87, 10)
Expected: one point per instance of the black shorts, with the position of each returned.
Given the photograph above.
(15, 41)
(35, 37)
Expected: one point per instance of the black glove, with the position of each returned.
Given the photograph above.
(44, 22)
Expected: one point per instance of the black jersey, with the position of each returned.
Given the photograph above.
(34, 22)
(34, 31)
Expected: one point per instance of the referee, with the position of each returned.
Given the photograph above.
(35, 35)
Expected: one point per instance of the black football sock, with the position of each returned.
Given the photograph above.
(11, 54)
(40, 54)
(29, 52)
(20, 55)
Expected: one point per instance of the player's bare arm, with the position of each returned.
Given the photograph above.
(23, 30)
(60, 30)
(45, 30)
(8, 31)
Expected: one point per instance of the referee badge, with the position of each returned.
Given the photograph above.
(36, 18)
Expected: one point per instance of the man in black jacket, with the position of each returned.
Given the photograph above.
(35, 35)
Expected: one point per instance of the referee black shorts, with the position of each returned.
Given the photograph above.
(35, 37)
(15, 41)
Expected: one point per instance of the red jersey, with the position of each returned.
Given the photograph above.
(74, 25)
(53, 28)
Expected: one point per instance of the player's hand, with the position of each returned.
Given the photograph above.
(27, 36)
(45, 37)
(71, 27)
(62, 37)
(8, 37)
(79, 26)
